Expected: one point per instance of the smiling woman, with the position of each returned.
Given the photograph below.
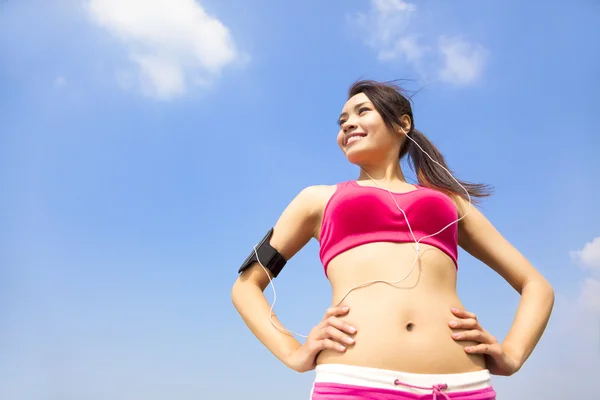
(396, 328)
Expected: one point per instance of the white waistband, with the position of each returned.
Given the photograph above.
(384, 379)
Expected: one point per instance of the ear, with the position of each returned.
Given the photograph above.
(405, 124)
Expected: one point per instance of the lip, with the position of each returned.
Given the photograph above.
(348, 136)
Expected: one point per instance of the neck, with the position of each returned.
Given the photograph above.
(382, 173)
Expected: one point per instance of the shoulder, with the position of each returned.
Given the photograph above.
(477, 234)
(315, 197)
(300, 219)
(463, 207)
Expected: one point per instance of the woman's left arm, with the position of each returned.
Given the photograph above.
(482, 240)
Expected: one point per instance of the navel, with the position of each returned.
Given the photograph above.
(410, 326)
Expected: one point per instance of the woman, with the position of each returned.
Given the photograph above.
(396, 328)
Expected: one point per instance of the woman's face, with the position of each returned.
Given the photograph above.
(364, 136)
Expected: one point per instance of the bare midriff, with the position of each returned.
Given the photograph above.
(403, 328)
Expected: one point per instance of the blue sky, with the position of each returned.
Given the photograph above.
(146, 148)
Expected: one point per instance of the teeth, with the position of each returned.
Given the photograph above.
(354, 139)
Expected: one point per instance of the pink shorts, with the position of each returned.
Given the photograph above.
(347, 382)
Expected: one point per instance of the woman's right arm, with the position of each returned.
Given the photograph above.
(293, 230)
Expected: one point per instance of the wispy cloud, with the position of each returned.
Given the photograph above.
(590, 294)
(393, 33)
(172, 43)
(463, 61)
(588, 258)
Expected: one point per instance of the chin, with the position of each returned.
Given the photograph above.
(359, 156)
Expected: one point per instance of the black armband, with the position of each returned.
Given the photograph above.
(269, 257)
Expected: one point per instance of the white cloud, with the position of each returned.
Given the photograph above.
(589, 256)
(590, 295)
(160, 76)
(463, 62)
(393, 33)
(586, 305)
(173, 43)
(392, 17)
(393, 6)
(385, 23)
(407, 48)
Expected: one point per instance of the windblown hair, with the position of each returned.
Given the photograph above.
(389, 100)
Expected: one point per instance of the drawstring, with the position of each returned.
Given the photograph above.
(436, 389)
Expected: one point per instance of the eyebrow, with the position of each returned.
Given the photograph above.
(346, 114)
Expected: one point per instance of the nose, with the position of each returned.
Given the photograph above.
(348, 126)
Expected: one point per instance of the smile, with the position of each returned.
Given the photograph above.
(353, 137)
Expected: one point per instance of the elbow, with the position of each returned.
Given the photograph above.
(550, 294)
(248, 283)
(547, 289)
(542, 289)
(235, 293)
(240, 291)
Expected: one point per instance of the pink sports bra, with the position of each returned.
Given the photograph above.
(357, 215)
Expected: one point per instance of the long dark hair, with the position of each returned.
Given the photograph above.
(389, 100)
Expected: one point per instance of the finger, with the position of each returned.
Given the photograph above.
(318, 345)
(491, 349)
(463, 313)
(333, 311)
(464, 323)
(332, 345)
(341, 325)
(474, 335)
(335, 334)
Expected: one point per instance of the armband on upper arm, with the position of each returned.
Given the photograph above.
(269, 257)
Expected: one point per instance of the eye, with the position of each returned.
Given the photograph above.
(360, 110)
